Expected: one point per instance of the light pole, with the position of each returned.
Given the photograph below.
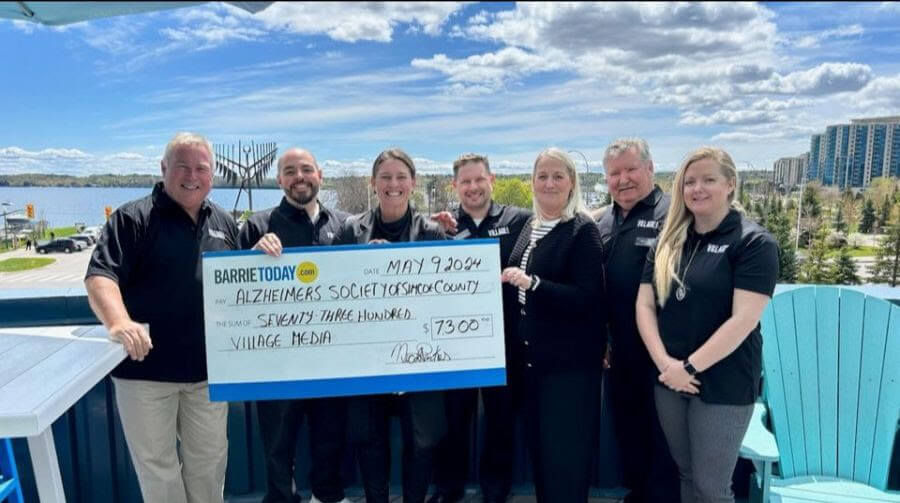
(587, 168)
(799, 216)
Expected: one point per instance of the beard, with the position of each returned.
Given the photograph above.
(302, 198)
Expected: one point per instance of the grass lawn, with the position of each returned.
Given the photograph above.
(862, 251)
(60, 232)
(23, 264)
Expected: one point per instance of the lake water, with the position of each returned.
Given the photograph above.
(63, 206)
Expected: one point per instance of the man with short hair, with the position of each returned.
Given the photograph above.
(300, 220)
(629, 228)
(478, 216)
(146, 271)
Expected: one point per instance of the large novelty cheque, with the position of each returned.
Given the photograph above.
(353, 320)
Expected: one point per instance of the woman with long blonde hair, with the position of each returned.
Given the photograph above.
(701, 297)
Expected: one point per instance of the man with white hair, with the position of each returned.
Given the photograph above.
(629, 228)
(144, 282)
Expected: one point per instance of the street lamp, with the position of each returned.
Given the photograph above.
(587, 170)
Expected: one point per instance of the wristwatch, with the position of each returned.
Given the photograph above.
(689, 368)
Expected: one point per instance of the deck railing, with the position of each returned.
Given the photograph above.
(94, 460)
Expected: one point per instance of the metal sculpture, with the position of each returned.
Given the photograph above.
(257, 160)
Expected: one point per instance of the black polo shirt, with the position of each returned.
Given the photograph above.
(292, 225)
(737, 254)
(504, 223)
(626, 241)
(153, 250)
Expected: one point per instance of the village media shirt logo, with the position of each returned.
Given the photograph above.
(305, 272)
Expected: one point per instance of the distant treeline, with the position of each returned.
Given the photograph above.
(109, 180)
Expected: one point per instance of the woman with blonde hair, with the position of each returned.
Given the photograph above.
(701, 297)
(555, 274)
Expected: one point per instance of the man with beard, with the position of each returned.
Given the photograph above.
(479, 216)
(629, 228)
(300, 220)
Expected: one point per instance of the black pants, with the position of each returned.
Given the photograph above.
(280, 422)
(451, 458)
(423, 424)
(649, 471)
(561, 412)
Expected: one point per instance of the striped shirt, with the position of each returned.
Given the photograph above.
(536, 234)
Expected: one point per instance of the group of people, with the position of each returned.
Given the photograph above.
(677, 282)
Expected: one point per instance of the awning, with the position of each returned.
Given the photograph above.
(59, 13)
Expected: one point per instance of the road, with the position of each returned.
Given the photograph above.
(67, 272)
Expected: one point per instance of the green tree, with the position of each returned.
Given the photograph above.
(843, 269)
(812, 203)
(839, 224)
(512, 191)
(886, 268)
(815, 268)
(885, 215)
(780, 227)
(867, 222)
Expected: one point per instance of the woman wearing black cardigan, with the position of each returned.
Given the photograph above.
(556, 275)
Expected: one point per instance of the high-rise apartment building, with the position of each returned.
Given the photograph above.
(851, 155)
(790, 171)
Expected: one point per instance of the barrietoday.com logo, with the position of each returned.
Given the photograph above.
(307, 272)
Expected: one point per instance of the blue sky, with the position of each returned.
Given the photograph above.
(346, 80)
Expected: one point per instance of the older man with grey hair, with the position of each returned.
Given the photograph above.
(144, 282)
(629, 228)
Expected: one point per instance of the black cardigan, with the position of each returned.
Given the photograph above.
(564, 319)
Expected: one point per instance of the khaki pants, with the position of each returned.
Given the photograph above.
(155, 414)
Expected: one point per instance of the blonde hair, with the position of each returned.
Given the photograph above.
(674, 231)
(575, 203)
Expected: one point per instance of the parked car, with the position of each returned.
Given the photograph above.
(62, 244)
(87, 239)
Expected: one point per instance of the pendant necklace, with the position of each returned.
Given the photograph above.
(681, 291)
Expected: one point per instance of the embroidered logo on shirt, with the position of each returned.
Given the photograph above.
(648, 242)
(711, 248)
(463, 234)
(648, 224)
(499, 231)
(217, 234)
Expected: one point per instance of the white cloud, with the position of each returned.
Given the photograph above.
(45, 154)
(729, 117)
(654, 30)
(826, 78)
(815, 40)
(355, 21)
(72, 161)
(882, 93)
(25, 26)
(490, 70)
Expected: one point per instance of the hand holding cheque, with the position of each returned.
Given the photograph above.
(347, 320)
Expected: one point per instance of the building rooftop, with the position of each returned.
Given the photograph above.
(877, 120)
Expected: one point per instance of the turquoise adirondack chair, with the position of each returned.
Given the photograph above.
(831, 363)
(10, 488)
